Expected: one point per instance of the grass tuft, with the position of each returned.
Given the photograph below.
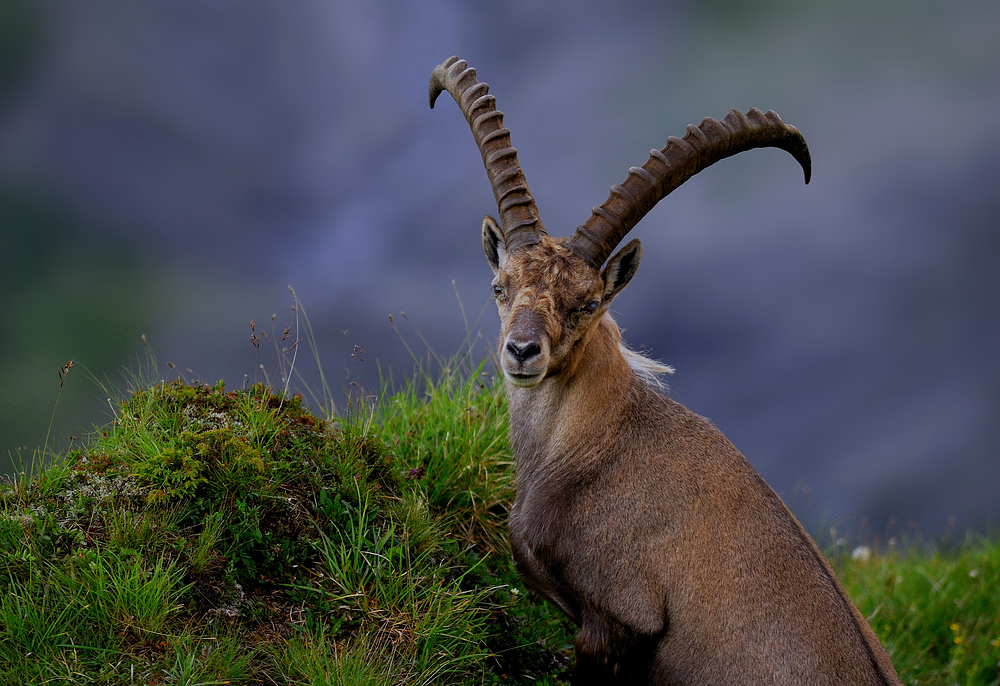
(937, 613)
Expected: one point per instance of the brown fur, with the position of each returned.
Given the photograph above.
(639, 520)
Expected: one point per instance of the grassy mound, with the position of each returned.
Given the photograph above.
(213, 536)
(210, 536)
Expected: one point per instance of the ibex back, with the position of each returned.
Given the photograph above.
(633, 515)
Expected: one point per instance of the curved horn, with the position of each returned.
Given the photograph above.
(518, 213)
(682, 158)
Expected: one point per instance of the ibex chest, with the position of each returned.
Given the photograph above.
(580, 546)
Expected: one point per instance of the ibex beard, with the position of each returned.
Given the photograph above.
(637, 518)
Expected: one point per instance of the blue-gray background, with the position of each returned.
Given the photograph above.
(169, 168)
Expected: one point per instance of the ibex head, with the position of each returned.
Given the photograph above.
(550, 301)
(552, 293)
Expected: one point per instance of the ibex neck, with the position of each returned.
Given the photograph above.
(570, 412)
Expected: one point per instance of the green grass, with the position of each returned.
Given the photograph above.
(937, 613)
(212, 536)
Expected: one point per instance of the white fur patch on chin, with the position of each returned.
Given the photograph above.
(523, 381)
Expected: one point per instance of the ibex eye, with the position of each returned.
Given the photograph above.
(497, 291)
(592, 306)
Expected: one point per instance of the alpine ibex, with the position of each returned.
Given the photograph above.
(633, 515)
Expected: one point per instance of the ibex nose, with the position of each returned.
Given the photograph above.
(523, 351)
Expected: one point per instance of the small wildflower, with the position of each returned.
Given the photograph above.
(862, 552)
(415, 473)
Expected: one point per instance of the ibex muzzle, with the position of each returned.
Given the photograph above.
(633, 515)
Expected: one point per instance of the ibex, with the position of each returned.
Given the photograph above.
(636, 517)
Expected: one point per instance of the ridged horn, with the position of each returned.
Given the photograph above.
(679, 160)
(518, 213)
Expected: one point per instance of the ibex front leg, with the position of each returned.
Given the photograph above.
(608, 652)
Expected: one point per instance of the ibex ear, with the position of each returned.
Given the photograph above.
(493, 243)
(620, 269)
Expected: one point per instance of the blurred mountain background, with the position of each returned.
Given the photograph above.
(167, 169)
